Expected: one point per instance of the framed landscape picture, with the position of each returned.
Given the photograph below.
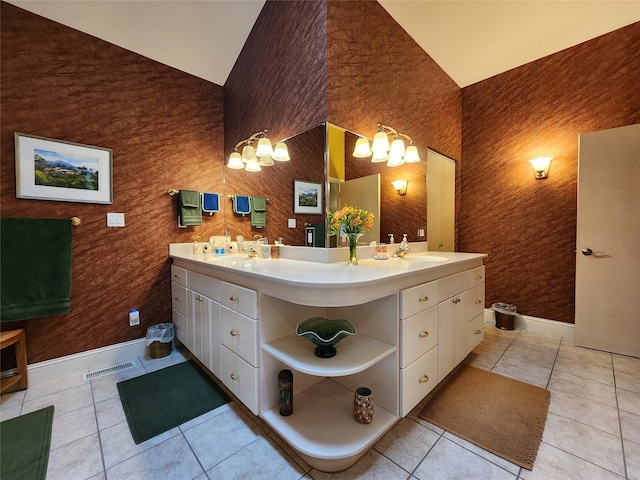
(48, 169)
(307, 197)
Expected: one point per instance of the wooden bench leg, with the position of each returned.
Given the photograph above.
(21, 360)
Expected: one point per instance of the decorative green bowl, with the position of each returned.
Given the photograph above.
(324, 333)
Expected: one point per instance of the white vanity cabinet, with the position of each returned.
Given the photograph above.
(415, 321)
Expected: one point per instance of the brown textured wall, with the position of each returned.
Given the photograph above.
(166, 130)
(277, 83)
(528, 226)
(378, 73)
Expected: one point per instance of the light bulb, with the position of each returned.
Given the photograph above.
(395, 160)
(264, 148)
(380, 142)
(281, 152)
(235, 161)
(411, 154)
(265, 161)
(362, 148)
(253, 166)
(248, 153)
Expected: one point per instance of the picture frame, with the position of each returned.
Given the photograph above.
(49, 169)
(307, 197)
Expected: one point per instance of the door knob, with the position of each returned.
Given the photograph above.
(587, 251)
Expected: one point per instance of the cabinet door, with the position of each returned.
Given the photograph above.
(239, 334)
(418, 379)
(198, 314)
(452, 331)
(419, 334)
(211, 338)
(241, 378)
(475, 332)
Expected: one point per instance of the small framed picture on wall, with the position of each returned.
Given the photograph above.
(307, 197)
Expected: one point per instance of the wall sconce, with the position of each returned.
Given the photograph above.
(400, 186)
(541, 166)
(262, 155)
(381, 150)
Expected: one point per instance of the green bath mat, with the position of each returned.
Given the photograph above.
(24, 445)
(159, 401)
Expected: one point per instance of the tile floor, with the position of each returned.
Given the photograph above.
(592, 429)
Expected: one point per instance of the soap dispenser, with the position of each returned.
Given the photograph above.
(404, 244)
(391, 240)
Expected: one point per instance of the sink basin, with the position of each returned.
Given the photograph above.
(422, 258)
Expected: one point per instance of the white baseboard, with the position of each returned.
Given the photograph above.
(83, 362)
(535, 324)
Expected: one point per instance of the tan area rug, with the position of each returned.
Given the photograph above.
(497, 413)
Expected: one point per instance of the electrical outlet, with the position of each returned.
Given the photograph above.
(292, 223)
(134, 318)
(115, 219)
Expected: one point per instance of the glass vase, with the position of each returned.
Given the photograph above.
(353, 243)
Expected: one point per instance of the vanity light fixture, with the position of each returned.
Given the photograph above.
(262, 155)
(541, 166)
(400, 186)
(381, 150)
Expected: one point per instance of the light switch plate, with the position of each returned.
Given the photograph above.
(292, 223)
(115, 219)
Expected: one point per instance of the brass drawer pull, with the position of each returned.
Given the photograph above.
(478, 277)
(423, 299)
(234, 333)
(478, 302)
(478, 332)
(424, 379)
(233, 299)
(176, 275)
(424, 334)
(235, 376)
(177, 299)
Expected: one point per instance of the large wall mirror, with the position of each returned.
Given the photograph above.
(324, 154)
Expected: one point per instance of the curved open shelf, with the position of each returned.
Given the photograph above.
(323, 428)
(355, 354)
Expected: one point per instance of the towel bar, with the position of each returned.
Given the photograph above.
(231, 197)
(75, 221)
(173, 191)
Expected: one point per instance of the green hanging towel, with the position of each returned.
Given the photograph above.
(35, 273)
(190, 209)
(258, 212)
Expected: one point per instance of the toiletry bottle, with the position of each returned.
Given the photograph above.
(404, 244)
(391, 240)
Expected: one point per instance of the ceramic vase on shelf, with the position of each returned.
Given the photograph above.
(363, 405)
(285, 392)
(353, 243)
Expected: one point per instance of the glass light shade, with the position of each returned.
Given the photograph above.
(380, 156)
(362, 148)
(411, 154)
(394, 160)
(397, 148)
(400, 186)
(248, 154)
(380, 143)
(235, 161)
(265, 161)
(541, 166)
(264, 148)
(281, 152)
(253, 166)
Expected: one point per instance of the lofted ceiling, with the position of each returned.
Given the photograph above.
(471, 40)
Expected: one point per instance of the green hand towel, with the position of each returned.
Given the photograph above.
(35, 267)
(190, 209)
(258, 212)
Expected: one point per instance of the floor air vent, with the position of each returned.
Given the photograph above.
(107, 371)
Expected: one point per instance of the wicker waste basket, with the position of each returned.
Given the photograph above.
(160, 339)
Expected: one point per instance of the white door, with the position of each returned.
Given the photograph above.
(441, 199)
(364, 192)
(608, 241)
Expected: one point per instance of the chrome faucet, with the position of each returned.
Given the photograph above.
(401, 252)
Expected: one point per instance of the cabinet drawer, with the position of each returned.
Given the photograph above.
(475, 276)
(179, 275)
(419, 334)
(179, 298)
(418, 379)
(239, 334)
(475, 332)
(452, 285)
(475, 301)
(241, 378)
(417, 299)
(180, 327)
(207, 286)
(239, 299)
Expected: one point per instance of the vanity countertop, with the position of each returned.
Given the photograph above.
(331, 284)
